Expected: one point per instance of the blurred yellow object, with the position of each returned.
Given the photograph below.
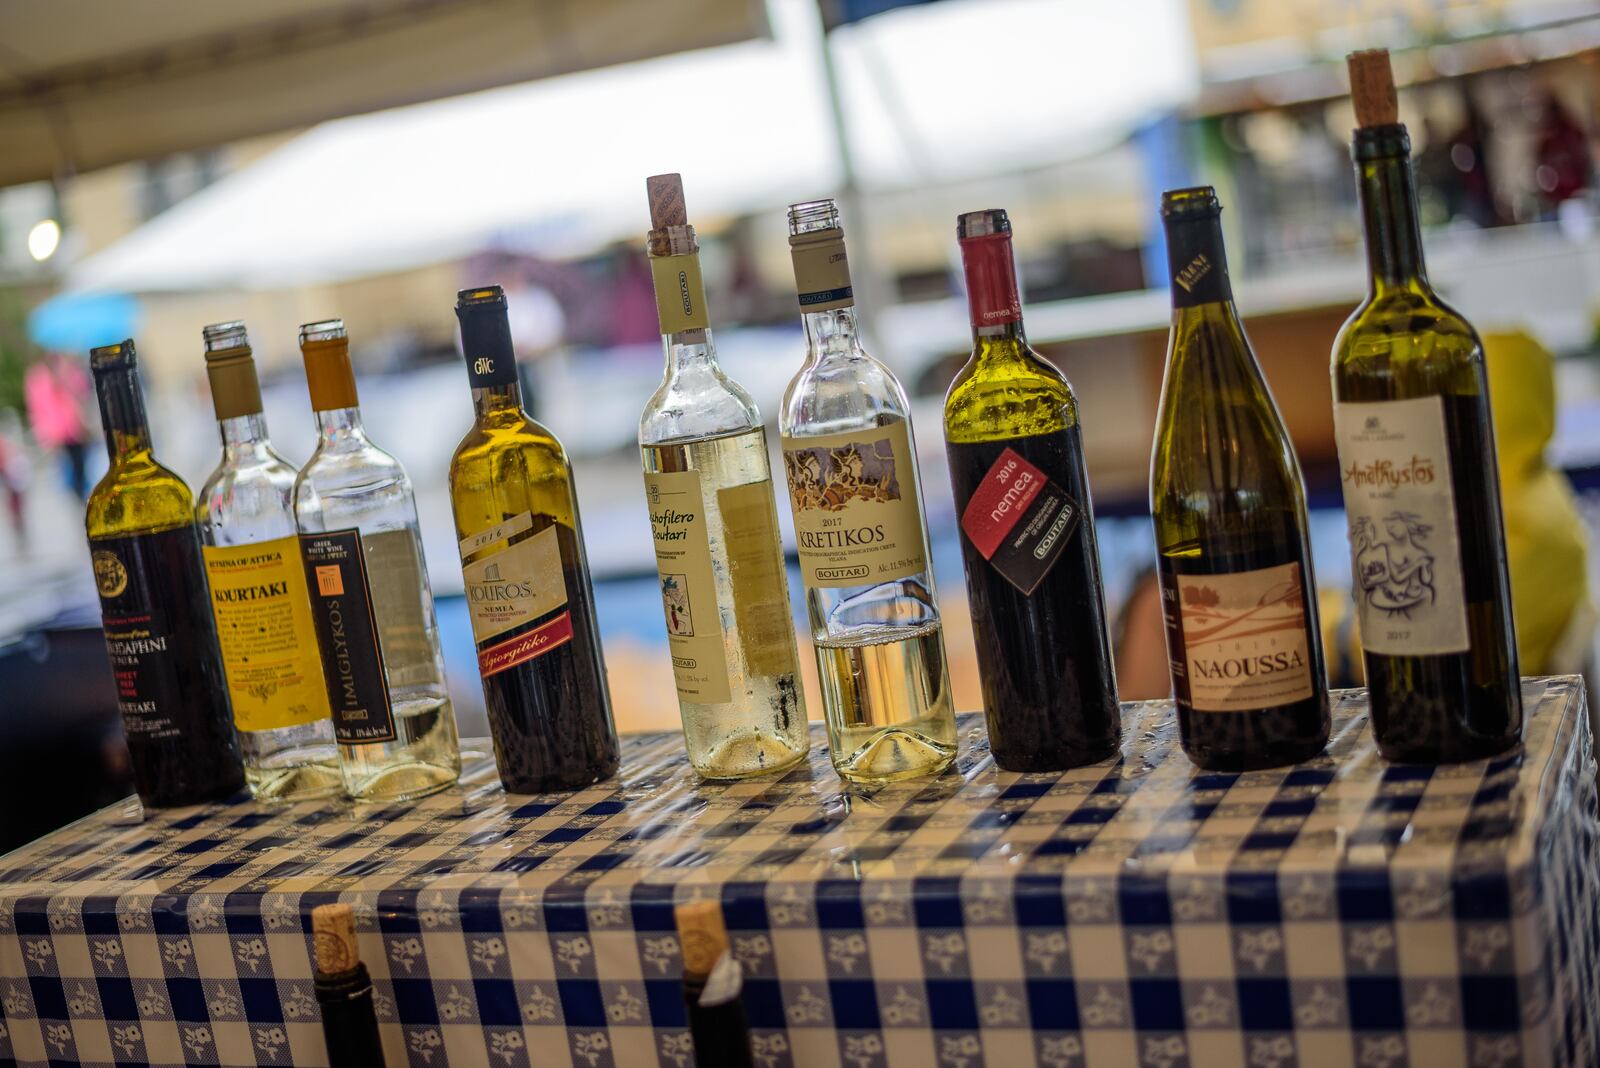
(1546, 541)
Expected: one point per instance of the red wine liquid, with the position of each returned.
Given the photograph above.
(1044, 657)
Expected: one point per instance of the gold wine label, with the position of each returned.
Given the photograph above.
(821, 270)
(857, 519)
(515, 585)
(688, 586)
(680, 293)
(755, 569)
(269, 645)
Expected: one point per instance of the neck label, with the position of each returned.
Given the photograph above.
(1197, 268)
(1394, 463)
(680, 293)
(821, 270)
(990, 267)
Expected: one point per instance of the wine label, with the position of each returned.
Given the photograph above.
(151, 616)
(1405, 550)
(269, 643)
(513, 586)
(821, 270)
(688, 586)
(347, 632)
(857, 520)
(991, 272)
(1020, 521)
(755, 570)
(1238, 641)
(680, 293)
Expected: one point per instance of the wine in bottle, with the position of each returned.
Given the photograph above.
(245, 515)
(724, 590)
(1233, 556)
(1421, 485)
(863, 541)
(370, 597)
(527, 580)
(344, 990)
(1027, 530)
(155, 607)
(713, 987)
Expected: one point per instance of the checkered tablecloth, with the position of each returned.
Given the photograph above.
(1343, 912)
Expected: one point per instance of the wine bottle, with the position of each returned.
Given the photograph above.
(370, 597)
(527, 580)
(724, 590)
(713, 987)
(1027, 530)
(155, 607)
(344, 990)
(245, 515)
(862, 538)
(1228, 502)
(1421, 485)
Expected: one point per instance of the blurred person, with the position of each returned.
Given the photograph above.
(1546, 546)
(1562, 166)
(14, 475)
(55, 389)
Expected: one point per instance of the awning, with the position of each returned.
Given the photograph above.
(88, 83)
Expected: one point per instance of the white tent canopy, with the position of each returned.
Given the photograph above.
(936, 93)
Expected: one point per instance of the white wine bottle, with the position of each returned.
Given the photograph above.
(370, 597)
(245, 514)
(1226, 496)
(1421, 482)
(863, 540)
(715, 524)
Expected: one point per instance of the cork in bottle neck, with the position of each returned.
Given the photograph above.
(702, 935)
(326, 350)
(231, 370)
(333, 938)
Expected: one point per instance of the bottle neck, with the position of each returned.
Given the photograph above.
(122, 413)
(335, 426)
(831, 332)
(243, 433)
(491, 401)
(689, 353)
(994, 302)
(1388, 197)
(1197, 271)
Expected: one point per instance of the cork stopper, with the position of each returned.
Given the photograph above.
(702, 935)
(670, 232)
(333, 936)
(1372, 88)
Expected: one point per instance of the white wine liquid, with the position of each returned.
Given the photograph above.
(888, 702)
(762, 727)
(423, 757)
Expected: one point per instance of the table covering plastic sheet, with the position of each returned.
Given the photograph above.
(1345, 912)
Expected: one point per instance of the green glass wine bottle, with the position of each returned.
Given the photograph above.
(1421, 486)
(1233, 554)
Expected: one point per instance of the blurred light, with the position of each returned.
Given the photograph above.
(44, 239)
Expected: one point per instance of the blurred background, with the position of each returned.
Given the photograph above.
(177, 163)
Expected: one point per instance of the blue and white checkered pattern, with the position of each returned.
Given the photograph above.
(1344, 912)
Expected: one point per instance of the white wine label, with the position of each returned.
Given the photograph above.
(1394, 461)
(347, 631)
(269, 643)
(755, 570)
(857, 520)
(688, 586)
(515, 585)
(1240, 638)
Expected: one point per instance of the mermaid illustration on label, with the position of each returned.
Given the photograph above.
(1395, 573)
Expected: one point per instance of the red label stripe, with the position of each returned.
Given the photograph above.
(525, 647)
(1000, 501)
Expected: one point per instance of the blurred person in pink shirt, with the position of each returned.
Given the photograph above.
(56, 389)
